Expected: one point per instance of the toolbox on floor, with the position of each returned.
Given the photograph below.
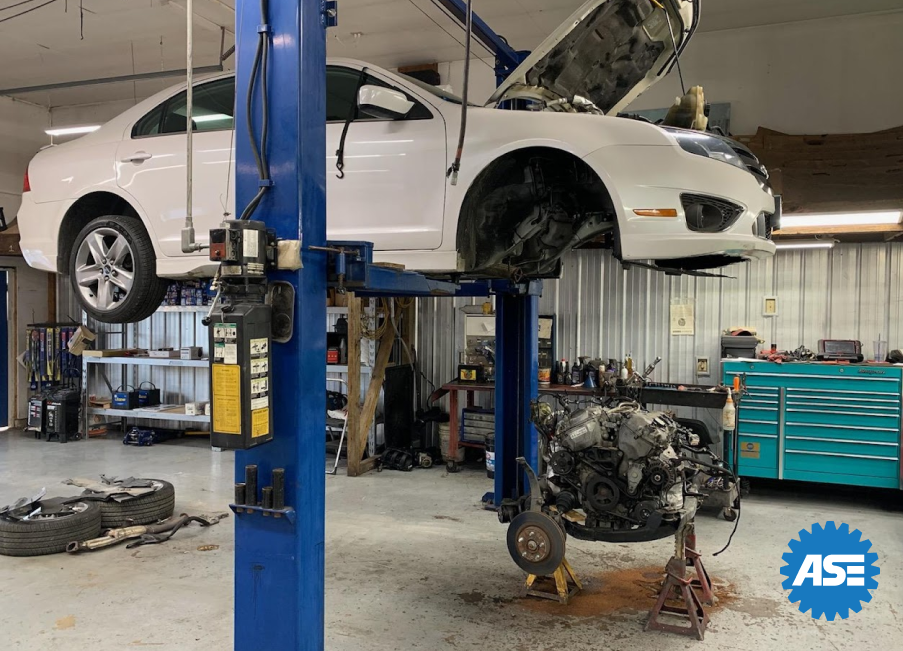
(477, 424)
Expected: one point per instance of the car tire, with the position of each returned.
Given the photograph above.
(124, 290)
(51, 535)
(146, 509)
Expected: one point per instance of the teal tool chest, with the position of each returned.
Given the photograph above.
(831, 423)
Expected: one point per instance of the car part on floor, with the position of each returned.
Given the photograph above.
(37, 526)
(536, 542)
(622, 474)
(151, 534)
(112, 268)
(131, 501)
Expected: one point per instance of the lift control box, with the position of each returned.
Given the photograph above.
(240, 345)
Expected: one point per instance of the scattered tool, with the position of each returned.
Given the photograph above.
(151, 534)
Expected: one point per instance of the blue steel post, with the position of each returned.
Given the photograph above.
(279, 567)
(516, 385)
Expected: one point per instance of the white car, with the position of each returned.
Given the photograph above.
(108, 208)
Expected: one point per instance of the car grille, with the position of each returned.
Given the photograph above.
(765, 225)
(709, 215)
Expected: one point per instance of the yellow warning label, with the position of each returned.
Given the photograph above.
(260, 422)
(750, 450)
(226, 399)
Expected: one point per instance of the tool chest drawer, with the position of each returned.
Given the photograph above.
(820, 422)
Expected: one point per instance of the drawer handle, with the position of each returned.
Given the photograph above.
(838, 413)
(870, 378)
(840, 398)
(759, 436)
(758, 422)
(828, 391)
(742, 406)
(855, 427)
(815, 438)
(838, 454)
(809, 403)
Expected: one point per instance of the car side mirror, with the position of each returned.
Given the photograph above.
(383, 103)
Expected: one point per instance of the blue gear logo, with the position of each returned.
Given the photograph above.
(830, 571)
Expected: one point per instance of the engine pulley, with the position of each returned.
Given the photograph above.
(601, 493)
(659, 475)
(536, 543)
(562, 463)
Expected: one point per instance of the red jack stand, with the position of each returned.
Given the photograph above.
(702, 582)
(678, 587)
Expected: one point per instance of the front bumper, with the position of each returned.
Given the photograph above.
(650, 177)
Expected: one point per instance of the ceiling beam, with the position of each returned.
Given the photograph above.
(141, 76)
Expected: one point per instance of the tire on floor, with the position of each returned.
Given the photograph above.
(146, 509)
(50, 535)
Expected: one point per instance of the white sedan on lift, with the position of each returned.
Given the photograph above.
(108, 208)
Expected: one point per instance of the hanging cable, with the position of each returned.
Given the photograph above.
(26, 11)
(352, 112)
(680, 72)
(260, 68)
(456, 165)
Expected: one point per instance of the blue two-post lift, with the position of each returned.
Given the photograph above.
(279, 562)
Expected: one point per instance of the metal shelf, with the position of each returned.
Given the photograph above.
(343, 368)
(149, 361)
(148, 415)
(184, 308)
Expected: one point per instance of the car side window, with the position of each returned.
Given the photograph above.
(341, 90)
(149, 125)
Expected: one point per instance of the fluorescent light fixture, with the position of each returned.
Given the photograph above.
(72, 131)
(787, 245)
(888, 217)
(213, 117)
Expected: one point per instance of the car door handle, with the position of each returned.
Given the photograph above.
(138, 157)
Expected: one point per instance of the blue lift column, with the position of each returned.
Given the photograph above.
(279, 563)
(516, 385)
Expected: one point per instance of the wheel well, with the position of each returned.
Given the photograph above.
(90, 206)
(498, 202)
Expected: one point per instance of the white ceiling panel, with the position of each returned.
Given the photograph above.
(127, 36)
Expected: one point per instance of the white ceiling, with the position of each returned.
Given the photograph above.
(126, 36)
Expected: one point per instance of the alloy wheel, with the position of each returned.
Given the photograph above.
(104, 268)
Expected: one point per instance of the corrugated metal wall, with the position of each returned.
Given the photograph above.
(850, 292)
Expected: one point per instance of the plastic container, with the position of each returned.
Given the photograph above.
(880, 351)
(444, 441)
(490, 456)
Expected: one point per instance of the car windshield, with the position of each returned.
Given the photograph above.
(435, 90)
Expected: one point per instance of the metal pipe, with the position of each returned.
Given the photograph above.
(189, 107)
(141, 76)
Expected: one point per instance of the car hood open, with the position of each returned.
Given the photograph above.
(607, 52)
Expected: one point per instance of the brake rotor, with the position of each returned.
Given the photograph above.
(536, 543)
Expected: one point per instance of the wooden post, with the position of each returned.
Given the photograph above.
(354, 382)
(357, 439)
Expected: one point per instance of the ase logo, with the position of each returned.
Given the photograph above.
(830, 571)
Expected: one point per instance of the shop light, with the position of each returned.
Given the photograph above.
(72, 131)
(211, 117)
(877, 218)
(787, 245)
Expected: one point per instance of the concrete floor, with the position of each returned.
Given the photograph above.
(412, 562)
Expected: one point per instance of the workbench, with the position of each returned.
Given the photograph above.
(820, 422)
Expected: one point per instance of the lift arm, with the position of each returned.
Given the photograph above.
(506, 57)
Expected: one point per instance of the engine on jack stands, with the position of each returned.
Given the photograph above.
(620, 474)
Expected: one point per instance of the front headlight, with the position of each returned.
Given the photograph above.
(701, 144)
